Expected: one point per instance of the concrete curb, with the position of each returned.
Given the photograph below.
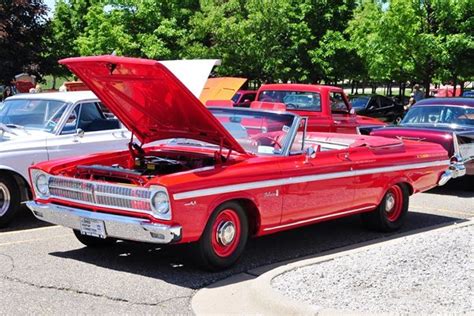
(252, 293)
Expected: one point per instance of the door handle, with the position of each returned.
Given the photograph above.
(344, 156)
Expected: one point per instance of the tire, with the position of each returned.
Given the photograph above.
(390, 214)
(93, 242)
(9, 199)
(224, 237)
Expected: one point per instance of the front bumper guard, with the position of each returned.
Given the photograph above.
(117, 226)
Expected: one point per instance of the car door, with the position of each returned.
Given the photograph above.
(319, 187)
(344, 122)
(87, 129)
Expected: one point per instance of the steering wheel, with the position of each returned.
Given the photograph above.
(292, 105)
(273, 141)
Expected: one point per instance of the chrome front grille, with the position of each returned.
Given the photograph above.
(100, 194)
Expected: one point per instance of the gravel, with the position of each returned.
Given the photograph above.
(426, 273)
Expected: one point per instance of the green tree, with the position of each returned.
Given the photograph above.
(22, 24)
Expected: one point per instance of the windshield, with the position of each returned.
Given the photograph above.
(258, 132)
(300, 100)
(443, 114)
(359, 102)
(34, 114)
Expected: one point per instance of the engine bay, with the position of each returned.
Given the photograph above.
(137, 169)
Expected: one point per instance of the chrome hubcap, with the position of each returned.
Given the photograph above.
(389, 203)
(225, 233)
(4, 199)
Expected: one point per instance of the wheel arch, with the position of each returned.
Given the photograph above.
(248, 204)
(401, 180)
(25, 190)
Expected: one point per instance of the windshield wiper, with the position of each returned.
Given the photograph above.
(5, 129)
(17, 126)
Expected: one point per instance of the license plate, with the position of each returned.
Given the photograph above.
(93, 227)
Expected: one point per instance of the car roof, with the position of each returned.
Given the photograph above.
(298, 87)
(70, 96)
(446, 101)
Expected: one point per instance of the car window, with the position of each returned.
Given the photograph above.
(32, 113)
(373, 103)
(338, 105)
(90, 118)
(385, 102)
(440, 115)
(250, 96)
(236, 97)
(298, 100)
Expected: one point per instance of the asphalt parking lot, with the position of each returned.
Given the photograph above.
(45, 270)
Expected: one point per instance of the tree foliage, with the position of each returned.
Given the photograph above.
(279, 40)
(22, 25)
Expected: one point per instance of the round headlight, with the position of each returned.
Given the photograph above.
(160, 203)
(42, 184)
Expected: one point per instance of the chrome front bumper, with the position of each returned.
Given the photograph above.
(116, 226)
(455, 170)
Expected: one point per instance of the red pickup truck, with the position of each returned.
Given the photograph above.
(327, 108)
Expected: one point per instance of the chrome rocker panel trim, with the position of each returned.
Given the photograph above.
(116, 226)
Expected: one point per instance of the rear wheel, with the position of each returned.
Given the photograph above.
(9, 199)
(94, 242)
(391, 212)
(224, 237)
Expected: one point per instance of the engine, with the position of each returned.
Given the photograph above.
(138, 169)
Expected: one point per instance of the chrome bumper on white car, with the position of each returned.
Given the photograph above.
(116, 226)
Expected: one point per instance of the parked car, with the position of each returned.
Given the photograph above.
(327, 107)
(468, 94)
(377, 106)
(221, 175)
(38, 127)
(243, 98)
(446, 121)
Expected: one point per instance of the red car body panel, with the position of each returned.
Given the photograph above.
(149, 100)
(349, 175)
(324, 120)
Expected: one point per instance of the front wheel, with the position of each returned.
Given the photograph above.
(9, 199)
(93, 242)
(391, 212)
(224, 237)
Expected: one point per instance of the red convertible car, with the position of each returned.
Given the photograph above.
(220, 175)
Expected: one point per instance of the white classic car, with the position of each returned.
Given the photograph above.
(40, 127)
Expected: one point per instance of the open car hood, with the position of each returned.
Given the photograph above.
(149, 100)
(222, 88)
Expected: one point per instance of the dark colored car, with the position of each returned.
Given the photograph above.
(243, 98)
(468, 94)
(446, 121)
(377, 106)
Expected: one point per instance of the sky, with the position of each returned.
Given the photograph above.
(50, 4)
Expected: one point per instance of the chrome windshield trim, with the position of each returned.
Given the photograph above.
(303, 179)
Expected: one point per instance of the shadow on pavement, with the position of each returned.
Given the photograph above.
(462, 187)
(24, 219)
(173, 264)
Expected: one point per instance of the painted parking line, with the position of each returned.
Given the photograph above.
(442, 210)
(29, 230)
(32, 240)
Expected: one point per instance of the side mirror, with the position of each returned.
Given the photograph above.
(80, 132)
(371, 108)
(247, 101)
(310, 152)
